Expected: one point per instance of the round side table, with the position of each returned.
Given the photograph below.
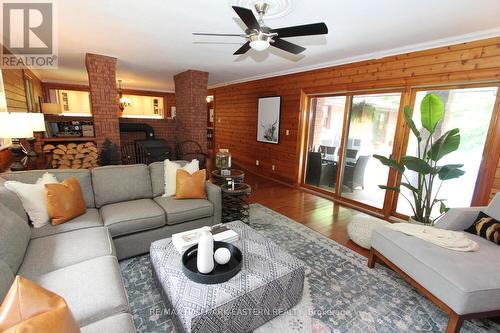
(234, 202)
(236, 175)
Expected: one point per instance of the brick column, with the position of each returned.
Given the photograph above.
(191, 106)
(102, 82)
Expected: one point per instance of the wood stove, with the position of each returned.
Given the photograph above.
(144, 151)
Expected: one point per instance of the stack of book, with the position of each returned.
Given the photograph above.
(221, 233)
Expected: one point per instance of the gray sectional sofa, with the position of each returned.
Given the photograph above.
(79, 259)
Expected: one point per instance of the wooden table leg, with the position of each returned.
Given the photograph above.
(372, 258)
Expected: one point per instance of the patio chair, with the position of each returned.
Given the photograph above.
(354, 175)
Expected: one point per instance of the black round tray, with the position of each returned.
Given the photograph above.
(220, 274)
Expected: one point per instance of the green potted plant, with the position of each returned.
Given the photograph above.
(425, 193)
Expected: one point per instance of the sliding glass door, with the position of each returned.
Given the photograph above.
(345, 131)
(370, 130)
(326, 119)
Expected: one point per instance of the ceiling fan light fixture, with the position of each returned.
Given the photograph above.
(260, 42)
(259, 45)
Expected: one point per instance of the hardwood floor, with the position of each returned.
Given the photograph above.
(322, 215)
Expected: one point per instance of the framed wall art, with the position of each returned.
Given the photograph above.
(268, 119)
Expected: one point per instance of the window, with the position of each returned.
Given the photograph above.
(71, 102)
(470, 110)
(143, 107)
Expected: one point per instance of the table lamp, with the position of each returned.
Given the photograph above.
(15, 126)
(37, 125)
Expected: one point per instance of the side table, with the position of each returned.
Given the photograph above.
(237, 176)
(234, 202)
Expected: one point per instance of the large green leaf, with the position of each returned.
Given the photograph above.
(442, 208)
(446, 144)
(410, 187)
(411, 123)
(431, 111)
(390, 188)
(416, 164)
(391, 163)
(450, 171)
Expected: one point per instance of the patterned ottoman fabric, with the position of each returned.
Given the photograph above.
(270, 282)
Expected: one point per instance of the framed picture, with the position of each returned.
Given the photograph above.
(268, 119)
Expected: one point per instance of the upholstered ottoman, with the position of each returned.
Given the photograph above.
(270, 282)
(360, 229)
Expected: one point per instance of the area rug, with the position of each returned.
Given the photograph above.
(341, 294)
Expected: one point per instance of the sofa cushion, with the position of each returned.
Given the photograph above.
(6, 279)
(93, 289)
(12, 201)
(82, 175)
(462, 280)
(132, 216)
(120, 323)
(90, 219)
(118, 183)
(179, 211)
(14, 238)
(49, 253)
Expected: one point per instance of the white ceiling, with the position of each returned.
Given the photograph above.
(152, 38)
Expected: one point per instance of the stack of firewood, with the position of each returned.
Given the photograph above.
(72, 155)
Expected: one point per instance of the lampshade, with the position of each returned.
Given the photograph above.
(15, 125)
(51, 108)
(37, 122)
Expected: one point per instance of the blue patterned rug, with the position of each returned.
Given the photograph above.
(345, 295)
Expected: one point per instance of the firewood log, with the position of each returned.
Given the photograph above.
(58, 152)
(62, 147)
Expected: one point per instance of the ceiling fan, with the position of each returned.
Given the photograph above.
(259, 36)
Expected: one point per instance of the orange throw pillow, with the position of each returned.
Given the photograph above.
(190, 186)
(64, 200)
(29, 308)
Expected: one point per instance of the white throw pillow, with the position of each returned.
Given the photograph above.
(171, 174)
(33, 199)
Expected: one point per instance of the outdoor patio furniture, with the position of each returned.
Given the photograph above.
(354, 175)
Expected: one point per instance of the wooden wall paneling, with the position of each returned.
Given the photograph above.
(477, 61)
(15, 95)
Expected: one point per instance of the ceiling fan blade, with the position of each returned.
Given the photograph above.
(210, 34)
(287, 46)
(302, 30)
(243, 49)
(247, 16)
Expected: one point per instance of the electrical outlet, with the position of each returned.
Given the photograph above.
(257, 162)
(287, 132)
(273, 167)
